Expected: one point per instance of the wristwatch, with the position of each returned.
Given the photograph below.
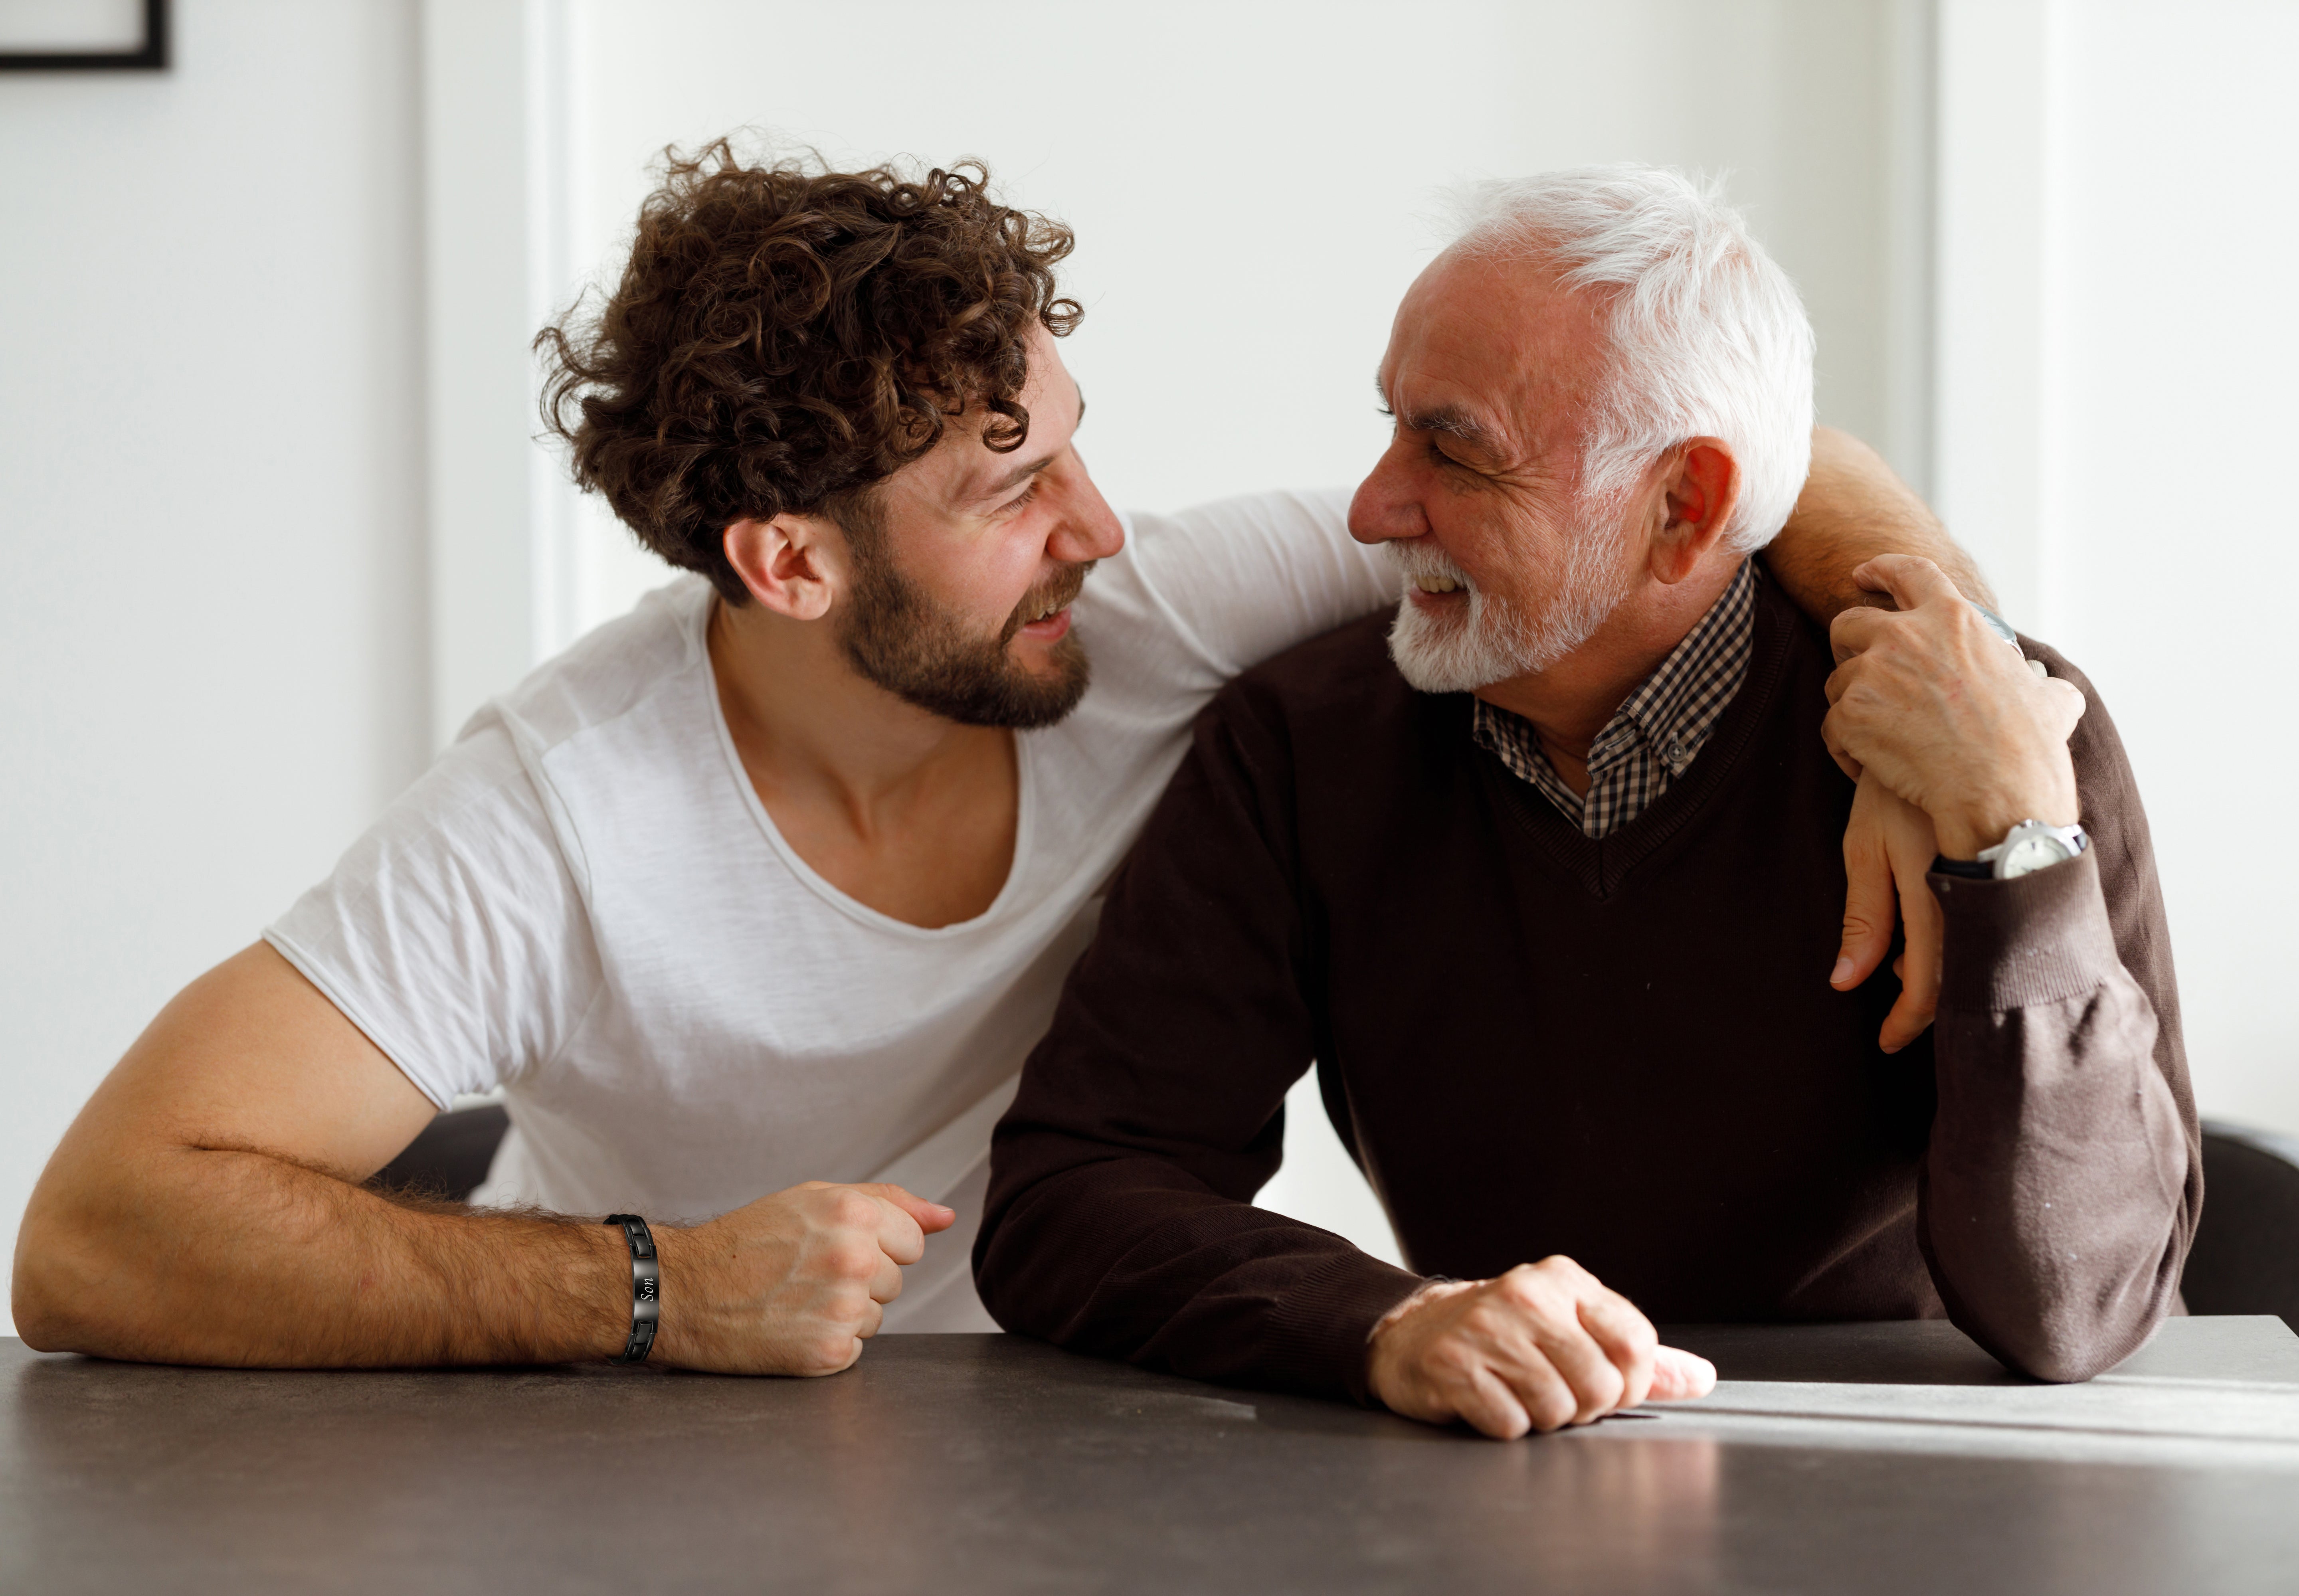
(2028, 847)
(2034, 845)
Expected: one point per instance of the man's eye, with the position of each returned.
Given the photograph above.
(1022, 499)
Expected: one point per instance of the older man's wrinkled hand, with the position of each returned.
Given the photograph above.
(1889, 848)
(1543, 1346)
(1928, 698)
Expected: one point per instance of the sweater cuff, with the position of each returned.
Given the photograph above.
(2040, 938)
(1320, 1332)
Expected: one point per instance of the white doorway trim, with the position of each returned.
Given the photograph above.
(1995, 442)
(500, 184)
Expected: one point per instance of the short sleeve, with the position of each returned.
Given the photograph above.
(1244, 579)
(453, 934)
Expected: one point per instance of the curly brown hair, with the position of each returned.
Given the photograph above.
(785, 337)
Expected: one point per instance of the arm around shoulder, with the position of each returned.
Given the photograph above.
(1239, 580)
(1854, 507)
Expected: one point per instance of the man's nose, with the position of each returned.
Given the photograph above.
(1386, 506)
(1089, 528)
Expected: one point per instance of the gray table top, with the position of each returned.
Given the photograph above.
(1869, 1458)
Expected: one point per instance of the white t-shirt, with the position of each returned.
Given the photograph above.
(584, 904)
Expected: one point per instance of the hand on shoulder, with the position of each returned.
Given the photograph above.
(1928, 698)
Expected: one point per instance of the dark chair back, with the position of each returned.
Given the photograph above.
(450, 1156)
(2246, 1254)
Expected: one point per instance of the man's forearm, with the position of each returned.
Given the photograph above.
(1119, 1218)
(209, 1256)
(1853, 508)
(2056, 1208)
(2062, 1183)
(1133, 1258)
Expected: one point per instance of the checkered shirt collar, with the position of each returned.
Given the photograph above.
(1658, 731)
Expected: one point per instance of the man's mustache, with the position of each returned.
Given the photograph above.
(1059, 593)
(1414, 560)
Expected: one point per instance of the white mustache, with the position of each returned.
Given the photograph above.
(1415, 560)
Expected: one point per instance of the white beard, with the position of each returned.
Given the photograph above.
(1497, 641)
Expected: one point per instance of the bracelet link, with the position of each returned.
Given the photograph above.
(646, 1287)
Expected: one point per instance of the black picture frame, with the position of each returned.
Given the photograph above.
(150, 57)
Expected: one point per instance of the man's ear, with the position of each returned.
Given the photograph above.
(792, 564)
(1700, 489)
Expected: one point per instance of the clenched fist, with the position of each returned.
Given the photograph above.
(1541, 1347)
(792, 1283)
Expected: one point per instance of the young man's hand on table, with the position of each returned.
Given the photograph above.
(794, 1284)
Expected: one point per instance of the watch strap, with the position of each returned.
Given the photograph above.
(1970, 869)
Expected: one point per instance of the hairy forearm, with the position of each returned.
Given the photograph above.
(219, 1256)
(1853, 508)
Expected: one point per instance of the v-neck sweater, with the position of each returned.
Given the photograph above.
(1622, 1049)
(1659, 729)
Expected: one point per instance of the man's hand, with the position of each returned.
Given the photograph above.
(1541, 1347)
(1888, 852)
(1929, 699)
(792, 1283)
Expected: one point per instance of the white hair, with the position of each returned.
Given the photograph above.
(1708, 336)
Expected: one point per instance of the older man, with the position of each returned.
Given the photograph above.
(1536, 879)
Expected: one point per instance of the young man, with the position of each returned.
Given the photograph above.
(773, 881)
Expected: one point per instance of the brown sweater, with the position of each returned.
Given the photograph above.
(1622, 1051)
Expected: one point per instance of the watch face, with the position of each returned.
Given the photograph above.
(2030, 854)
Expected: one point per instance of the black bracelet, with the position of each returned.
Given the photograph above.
(646, 1287)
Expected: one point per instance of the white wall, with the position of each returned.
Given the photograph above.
(2116, 331)
(2173, 564)
(1996, 315)
(211, 634)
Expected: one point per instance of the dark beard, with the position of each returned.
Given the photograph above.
(896, 638)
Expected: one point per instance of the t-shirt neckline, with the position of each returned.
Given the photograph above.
(1024, 819)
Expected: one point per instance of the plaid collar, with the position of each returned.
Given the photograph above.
(1658, 731)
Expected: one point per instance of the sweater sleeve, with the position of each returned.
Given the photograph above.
(2064, 1179)
(1119, 1218)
